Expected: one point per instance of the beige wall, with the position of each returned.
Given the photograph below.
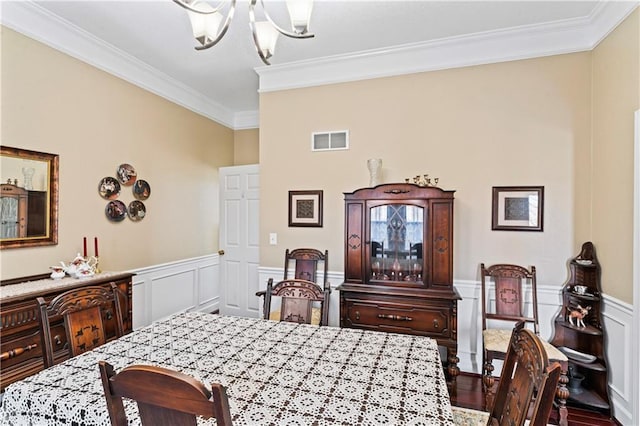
(515, 123)
(246, 147)
(94, 121)
(616, 95)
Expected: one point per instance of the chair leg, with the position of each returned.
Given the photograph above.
(562, 393)
(488, 381)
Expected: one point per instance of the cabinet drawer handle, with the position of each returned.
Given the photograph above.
(436, 324)
(395, 317)
(358, 315)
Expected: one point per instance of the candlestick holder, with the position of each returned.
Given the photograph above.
(423, 180)
(93, 263)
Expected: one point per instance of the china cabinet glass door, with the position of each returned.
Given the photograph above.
(396, 243)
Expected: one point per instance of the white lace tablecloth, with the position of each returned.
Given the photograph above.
(276, 373)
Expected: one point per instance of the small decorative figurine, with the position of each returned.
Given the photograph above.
(57, 272)
(578, 315)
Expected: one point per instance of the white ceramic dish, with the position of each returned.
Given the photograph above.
(577, 356)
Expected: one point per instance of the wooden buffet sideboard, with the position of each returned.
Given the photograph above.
(20, 341)
(399, 264)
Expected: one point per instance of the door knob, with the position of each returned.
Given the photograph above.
(221, 252)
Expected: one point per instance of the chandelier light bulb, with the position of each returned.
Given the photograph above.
(267, 37)
(204, 25)
(300, 14)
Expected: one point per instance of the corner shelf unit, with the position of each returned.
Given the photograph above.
(584, 345)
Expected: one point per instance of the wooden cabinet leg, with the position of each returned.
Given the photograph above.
(452, 365)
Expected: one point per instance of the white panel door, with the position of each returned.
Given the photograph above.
(239, 239)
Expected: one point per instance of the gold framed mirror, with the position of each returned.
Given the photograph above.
(28, 198)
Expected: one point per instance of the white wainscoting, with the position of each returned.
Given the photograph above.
(193, 285)
(180, 286)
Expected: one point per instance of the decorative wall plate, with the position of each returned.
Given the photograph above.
(141, 189)
(137, 211)
(126, 174)
(116, 211)
(109, 188)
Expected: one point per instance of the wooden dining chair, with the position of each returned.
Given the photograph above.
(297, 299)
(527, 386)
(85, 312)
(502, 307)
(303, 264)
(165, 397)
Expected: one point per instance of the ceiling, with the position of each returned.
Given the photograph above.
(150, 44)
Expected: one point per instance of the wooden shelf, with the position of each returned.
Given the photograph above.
(588, 398)
(593, 331)
(595, 366)
(589, 340)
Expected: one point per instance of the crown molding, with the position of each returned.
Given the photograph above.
(573, 35)
(567, 36)
(38, 23)
(246, 120)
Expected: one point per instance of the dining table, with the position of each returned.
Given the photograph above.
(275, 373)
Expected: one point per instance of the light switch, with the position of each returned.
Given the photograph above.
(273, 238)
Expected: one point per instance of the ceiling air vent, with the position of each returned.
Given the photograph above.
(330, 141)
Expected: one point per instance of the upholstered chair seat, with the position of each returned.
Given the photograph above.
(316, 314)
(468, 417)
(497, 340)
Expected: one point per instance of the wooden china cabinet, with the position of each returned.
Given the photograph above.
(583, 343)
(398, 266)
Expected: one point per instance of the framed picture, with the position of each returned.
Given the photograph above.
(305, 208)
(517, 208)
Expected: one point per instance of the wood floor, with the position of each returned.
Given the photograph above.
(468, 394)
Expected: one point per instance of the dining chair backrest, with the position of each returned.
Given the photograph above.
(508, 296)
(527, 382)
(85, 312)
(377, 249)
(297, 300)
(165, 397)
(415, 251)
(305, 264)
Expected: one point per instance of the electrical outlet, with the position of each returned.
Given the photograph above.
(273, 238)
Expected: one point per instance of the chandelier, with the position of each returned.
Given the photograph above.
(206, 23)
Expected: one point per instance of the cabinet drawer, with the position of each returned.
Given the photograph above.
(430, 321)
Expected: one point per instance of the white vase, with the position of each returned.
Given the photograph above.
(375, 171)
(27, 172)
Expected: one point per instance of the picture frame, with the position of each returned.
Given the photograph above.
(517, 208)
(305, 208)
